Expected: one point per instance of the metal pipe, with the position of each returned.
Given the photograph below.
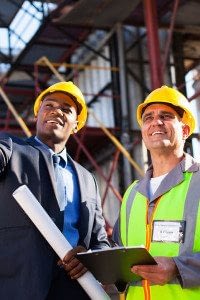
(153, 43)
(125, 122)
(168, 43)
(112, 170)
(42, 61)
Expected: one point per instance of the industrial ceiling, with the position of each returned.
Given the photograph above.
(67, 27)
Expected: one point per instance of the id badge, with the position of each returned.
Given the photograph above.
(168, 231)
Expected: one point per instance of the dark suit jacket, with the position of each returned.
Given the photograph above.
(26, 259)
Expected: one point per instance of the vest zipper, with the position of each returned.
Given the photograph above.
(146, 287)
(145, 284)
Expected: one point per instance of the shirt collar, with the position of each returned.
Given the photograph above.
(63, 153)
(174, 177)
(188, 164)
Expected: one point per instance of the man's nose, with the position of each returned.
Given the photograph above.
(57, 110)
(157, 120)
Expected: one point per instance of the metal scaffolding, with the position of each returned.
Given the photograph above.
(116, 55)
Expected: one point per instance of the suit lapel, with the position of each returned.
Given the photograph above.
(47, 157)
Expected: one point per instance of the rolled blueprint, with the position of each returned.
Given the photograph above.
(55, 238)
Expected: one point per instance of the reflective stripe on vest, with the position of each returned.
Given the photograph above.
(180, 203)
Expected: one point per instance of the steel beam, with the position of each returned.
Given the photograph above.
(153, 43)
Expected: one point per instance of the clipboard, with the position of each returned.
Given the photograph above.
(112, 265)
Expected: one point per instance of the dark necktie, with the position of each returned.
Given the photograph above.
(60, 185)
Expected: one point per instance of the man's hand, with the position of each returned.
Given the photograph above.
(160, 274)
(71, 264)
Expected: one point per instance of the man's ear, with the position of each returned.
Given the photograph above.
(186, 131)
(75, 127)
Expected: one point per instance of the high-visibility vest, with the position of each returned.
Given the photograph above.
(181, 203)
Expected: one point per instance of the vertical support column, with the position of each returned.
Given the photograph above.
(153, 43)
(169, 39)
(114, 59)
(178, 61)
(9, 45)
(125, 124)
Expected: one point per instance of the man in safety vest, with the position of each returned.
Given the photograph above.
(162, 210)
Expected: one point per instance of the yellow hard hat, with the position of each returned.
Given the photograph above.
(170, 96)
(69, 88)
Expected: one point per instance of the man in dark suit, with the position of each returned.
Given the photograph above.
(29, 268)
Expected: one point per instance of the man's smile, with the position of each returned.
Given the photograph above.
(55, 121)
(157, 132)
